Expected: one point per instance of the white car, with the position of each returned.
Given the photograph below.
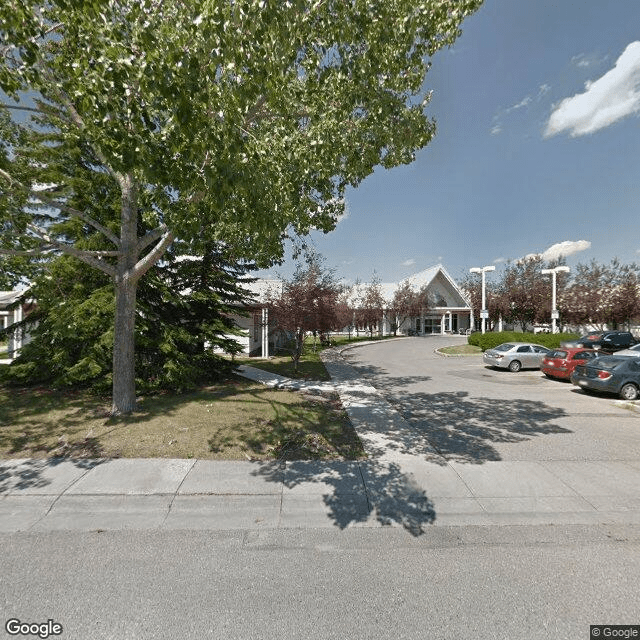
(515, 356)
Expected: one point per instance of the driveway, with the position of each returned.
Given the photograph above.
(473, 414)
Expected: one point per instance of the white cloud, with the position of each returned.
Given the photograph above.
(581, 60)
(543, 89)
(585, 61)
(565, 248)
(499, 260)
(523, 103)
(606, 100)
(408, 263)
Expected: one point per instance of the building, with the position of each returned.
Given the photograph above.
(448, 311)
(11, 313)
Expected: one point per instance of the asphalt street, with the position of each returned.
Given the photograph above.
(534, 583)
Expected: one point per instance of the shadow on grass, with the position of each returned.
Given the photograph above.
(317, 429)
(253, 419)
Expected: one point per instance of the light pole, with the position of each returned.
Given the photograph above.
(554, 310)
(484, 314)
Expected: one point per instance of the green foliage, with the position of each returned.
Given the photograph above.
(490, 340)
(183, 314)
(228, 123)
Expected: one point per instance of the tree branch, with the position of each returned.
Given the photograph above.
(77, 214)
(89, 257)
(18, 107)
(79, 122)
(151, 236)
(37, 195)
(26, 252)
(153, 256)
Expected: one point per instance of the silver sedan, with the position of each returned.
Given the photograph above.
(515, 356)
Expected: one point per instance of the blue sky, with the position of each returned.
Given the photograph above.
(538, 142)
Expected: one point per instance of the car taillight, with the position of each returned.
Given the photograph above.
(604, 374)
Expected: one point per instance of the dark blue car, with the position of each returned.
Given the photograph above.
(610, 374)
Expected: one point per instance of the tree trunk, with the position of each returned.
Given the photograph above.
(124, 384)
(126, 284)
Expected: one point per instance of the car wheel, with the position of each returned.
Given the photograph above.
(515, 366)
(629, 391)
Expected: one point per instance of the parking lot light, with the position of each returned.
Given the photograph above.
(482, 270)
(554, 310)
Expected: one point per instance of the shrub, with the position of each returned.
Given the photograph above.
(490, 340)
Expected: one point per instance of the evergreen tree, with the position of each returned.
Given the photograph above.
(184, 319)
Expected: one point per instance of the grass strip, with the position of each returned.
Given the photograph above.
(237, 420)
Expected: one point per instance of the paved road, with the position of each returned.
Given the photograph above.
(473, 414)
(503, 583)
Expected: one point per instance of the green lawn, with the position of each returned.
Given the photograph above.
(461, 350)
(238, 420)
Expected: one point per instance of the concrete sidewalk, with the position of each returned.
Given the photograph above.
(413, 491)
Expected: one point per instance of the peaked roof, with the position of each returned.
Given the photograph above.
(417, 281)
(424, 279)
(9, 297)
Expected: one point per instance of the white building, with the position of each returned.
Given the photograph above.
(448, 311)
(10, 314)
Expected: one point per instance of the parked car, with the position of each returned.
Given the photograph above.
(605, 341)
(631, 351)
(515, 356)
(560, 363)
(610, 374)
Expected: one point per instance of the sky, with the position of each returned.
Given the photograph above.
(537, 107)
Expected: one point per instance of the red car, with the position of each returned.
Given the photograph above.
(560, 363)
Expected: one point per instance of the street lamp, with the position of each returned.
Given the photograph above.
(554, 311)
(484, 314)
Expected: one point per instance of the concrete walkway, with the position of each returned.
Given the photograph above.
(389, 488)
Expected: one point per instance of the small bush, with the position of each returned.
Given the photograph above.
(490, 340)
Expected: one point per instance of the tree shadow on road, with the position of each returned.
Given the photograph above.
(462, 428)
(358, 492)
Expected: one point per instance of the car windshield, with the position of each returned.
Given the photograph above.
(504, 347)
(557, 354)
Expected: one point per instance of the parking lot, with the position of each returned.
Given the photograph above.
(472, 413)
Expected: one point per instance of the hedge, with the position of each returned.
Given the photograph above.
(550, 340)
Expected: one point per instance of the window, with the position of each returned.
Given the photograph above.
(524, 349)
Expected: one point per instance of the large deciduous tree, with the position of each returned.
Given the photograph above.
(601, 295)
(239, 122)
(524, 292)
